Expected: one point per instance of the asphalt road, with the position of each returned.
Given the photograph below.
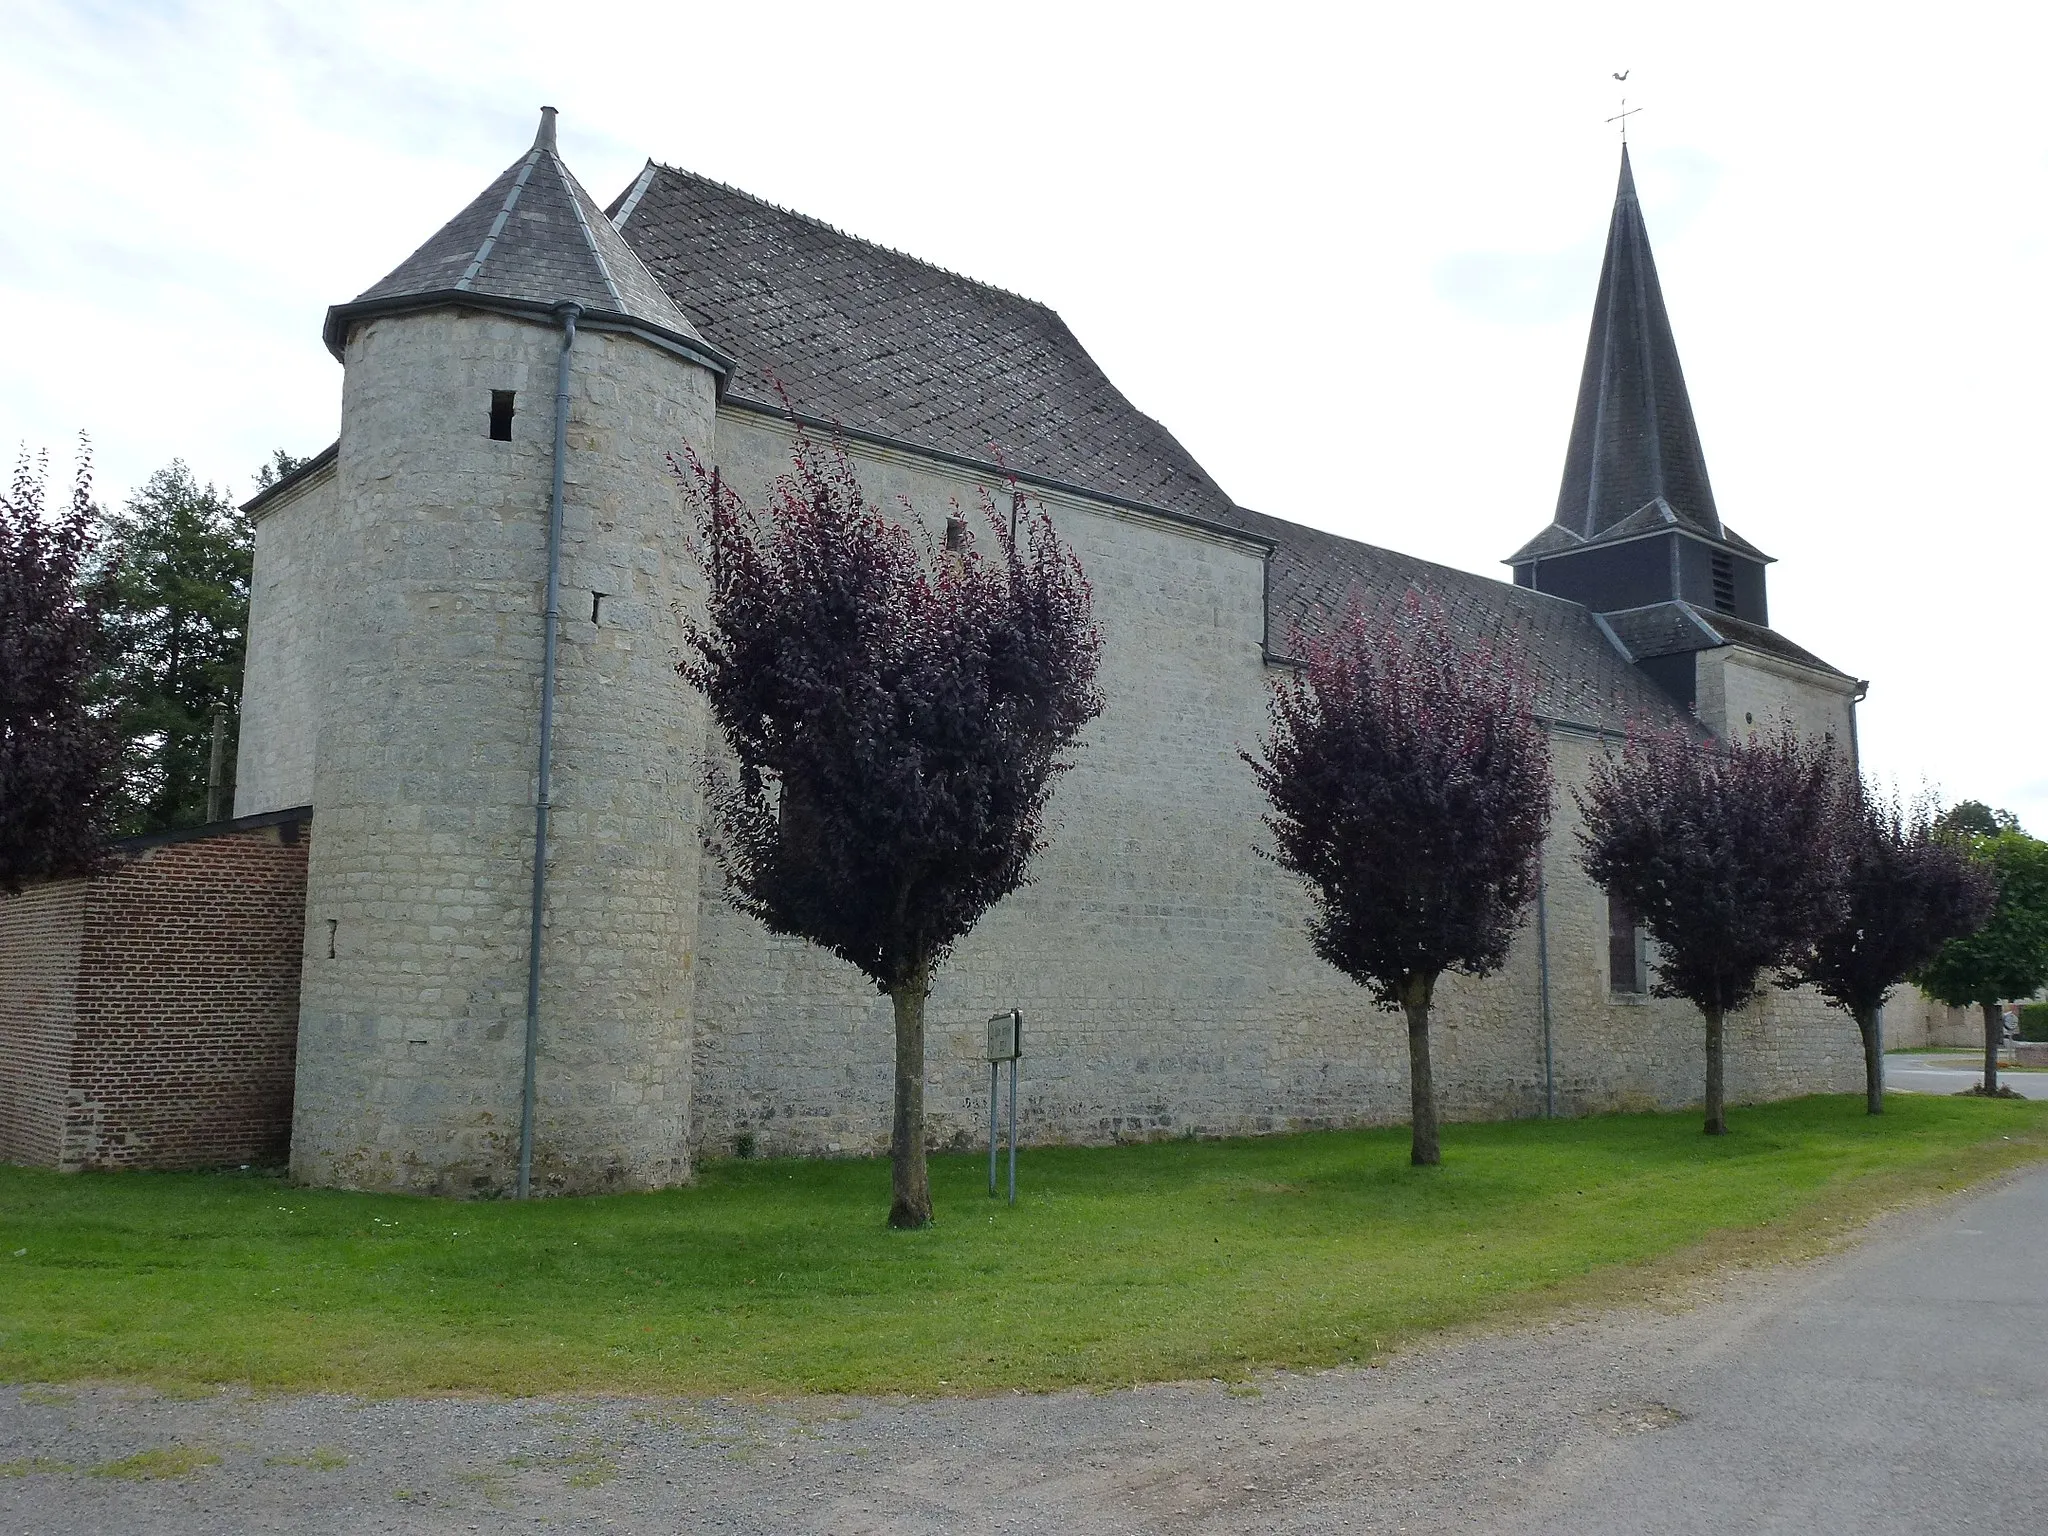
(1938, 1074)
(1904, 1390)
(1900, 1386)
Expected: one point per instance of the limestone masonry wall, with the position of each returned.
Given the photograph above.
(431, 634)
(148, 1015)
(1741, 690)
(1162, 966)
(280, 684)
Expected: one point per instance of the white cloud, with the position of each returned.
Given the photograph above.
(1345, 253)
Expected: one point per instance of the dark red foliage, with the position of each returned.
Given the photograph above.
(1410, 786)
(1908, 888)
(1724, 850)
(56, 759)
(898, 712)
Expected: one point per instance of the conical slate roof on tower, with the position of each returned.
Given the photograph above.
(530, 242)
(1634, 457)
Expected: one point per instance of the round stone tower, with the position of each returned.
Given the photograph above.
(413, 1015)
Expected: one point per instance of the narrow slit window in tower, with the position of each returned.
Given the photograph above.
(1724, 583)
(501, 415)
(1627, 972)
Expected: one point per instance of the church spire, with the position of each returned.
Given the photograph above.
(1633, 441)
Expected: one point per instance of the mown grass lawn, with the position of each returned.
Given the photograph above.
(1182, 1259)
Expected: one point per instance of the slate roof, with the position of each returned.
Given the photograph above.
(865, 336)
(1662, 629)
(1635, 449)
(1580, 677)
(533, 239)
(1669, 629)
(882, 343)
(1769, 641)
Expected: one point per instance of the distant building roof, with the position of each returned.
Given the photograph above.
(531, 241)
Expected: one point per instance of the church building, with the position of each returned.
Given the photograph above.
(395, 687)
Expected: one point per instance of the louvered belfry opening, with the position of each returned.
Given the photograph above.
(1724, 582)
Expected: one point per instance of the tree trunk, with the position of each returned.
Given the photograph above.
(910, 1187)
(1873, 1060)
(1994, 1036)
(1717, 1109)
(1415, 993)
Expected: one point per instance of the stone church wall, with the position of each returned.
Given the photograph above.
(280, 686)
(148, 1015)
(1744, 690)
(1162, 966)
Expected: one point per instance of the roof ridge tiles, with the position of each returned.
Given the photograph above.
(627, 206)
(604, 269)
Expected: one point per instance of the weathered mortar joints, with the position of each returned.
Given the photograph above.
(395, 675)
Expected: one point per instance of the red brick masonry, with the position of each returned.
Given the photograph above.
(149, 1016)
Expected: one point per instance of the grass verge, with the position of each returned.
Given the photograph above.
(1174, 1260)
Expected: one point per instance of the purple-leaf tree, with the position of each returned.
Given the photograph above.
(1725, 849)
(56, 758)
(1908, 888)
(898, 713)
(1410, 787)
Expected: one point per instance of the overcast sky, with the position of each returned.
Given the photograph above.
(1346, 253)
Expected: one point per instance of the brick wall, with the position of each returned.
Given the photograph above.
(158, 1023)
(40, 931)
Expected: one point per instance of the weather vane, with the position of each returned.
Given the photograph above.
(1625, 113)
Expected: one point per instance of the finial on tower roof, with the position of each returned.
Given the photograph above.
(545, 139)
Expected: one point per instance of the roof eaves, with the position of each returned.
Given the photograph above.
(695, 348)
(287, 483)
(1003, 472)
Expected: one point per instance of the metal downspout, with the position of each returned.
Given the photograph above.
(1543, 989)
(552, 624)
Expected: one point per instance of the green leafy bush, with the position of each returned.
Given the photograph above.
(2034, 1021)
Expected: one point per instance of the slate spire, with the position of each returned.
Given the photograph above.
(530, 242)
(1633, 441)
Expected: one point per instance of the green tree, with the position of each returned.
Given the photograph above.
(1973, 818)
(279, 465)
(172, 585)
(2008, 956)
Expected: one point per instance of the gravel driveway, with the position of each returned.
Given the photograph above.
(1899, 1386)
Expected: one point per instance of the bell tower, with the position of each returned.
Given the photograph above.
(1637, 536)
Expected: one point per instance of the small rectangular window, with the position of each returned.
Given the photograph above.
(501, 415)
(1724, 583)
(1627, 971)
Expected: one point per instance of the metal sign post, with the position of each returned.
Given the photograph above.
(1005, 1043)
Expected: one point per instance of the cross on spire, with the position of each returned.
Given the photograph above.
(1623, 116)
